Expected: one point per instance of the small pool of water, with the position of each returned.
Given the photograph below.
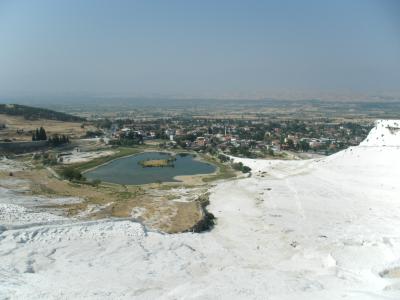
(127, 170)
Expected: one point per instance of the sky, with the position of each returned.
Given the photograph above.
(207, 48)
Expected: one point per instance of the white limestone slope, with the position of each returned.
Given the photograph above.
(317, 229)
(385, 133)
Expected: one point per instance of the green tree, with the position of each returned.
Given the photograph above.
(290, 144)
(42, 134)
(304, 146)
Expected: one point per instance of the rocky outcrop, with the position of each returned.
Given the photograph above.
(207, 220)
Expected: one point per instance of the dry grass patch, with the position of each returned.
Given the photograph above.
(25, 127)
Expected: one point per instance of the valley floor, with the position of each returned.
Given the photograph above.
(317, 229)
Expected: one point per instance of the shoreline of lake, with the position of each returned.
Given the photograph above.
(186, 168)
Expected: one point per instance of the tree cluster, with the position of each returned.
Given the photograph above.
(57, 140)
(93, 134)
(242, 151)
(39, 134)
(103, 123)
(132, 138)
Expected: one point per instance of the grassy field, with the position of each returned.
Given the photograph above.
(224, 171)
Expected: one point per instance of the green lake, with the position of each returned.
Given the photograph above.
(127, 170)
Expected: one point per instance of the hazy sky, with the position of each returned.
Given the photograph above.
(198, 48)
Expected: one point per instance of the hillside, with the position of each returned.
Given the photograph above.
(385, 133)
(17, 128)
(35, 113)
(317, 229)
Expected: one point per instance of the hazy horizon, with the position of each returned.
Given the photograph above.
(211, 50)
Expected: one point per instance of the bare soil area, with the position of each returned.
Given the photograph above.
(153, 205)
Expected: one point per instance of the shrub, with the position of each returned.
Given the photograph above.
(240, 167)
(223, 158)
(96, 182)
(237, 166)
(71, 174)
(246, 169)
